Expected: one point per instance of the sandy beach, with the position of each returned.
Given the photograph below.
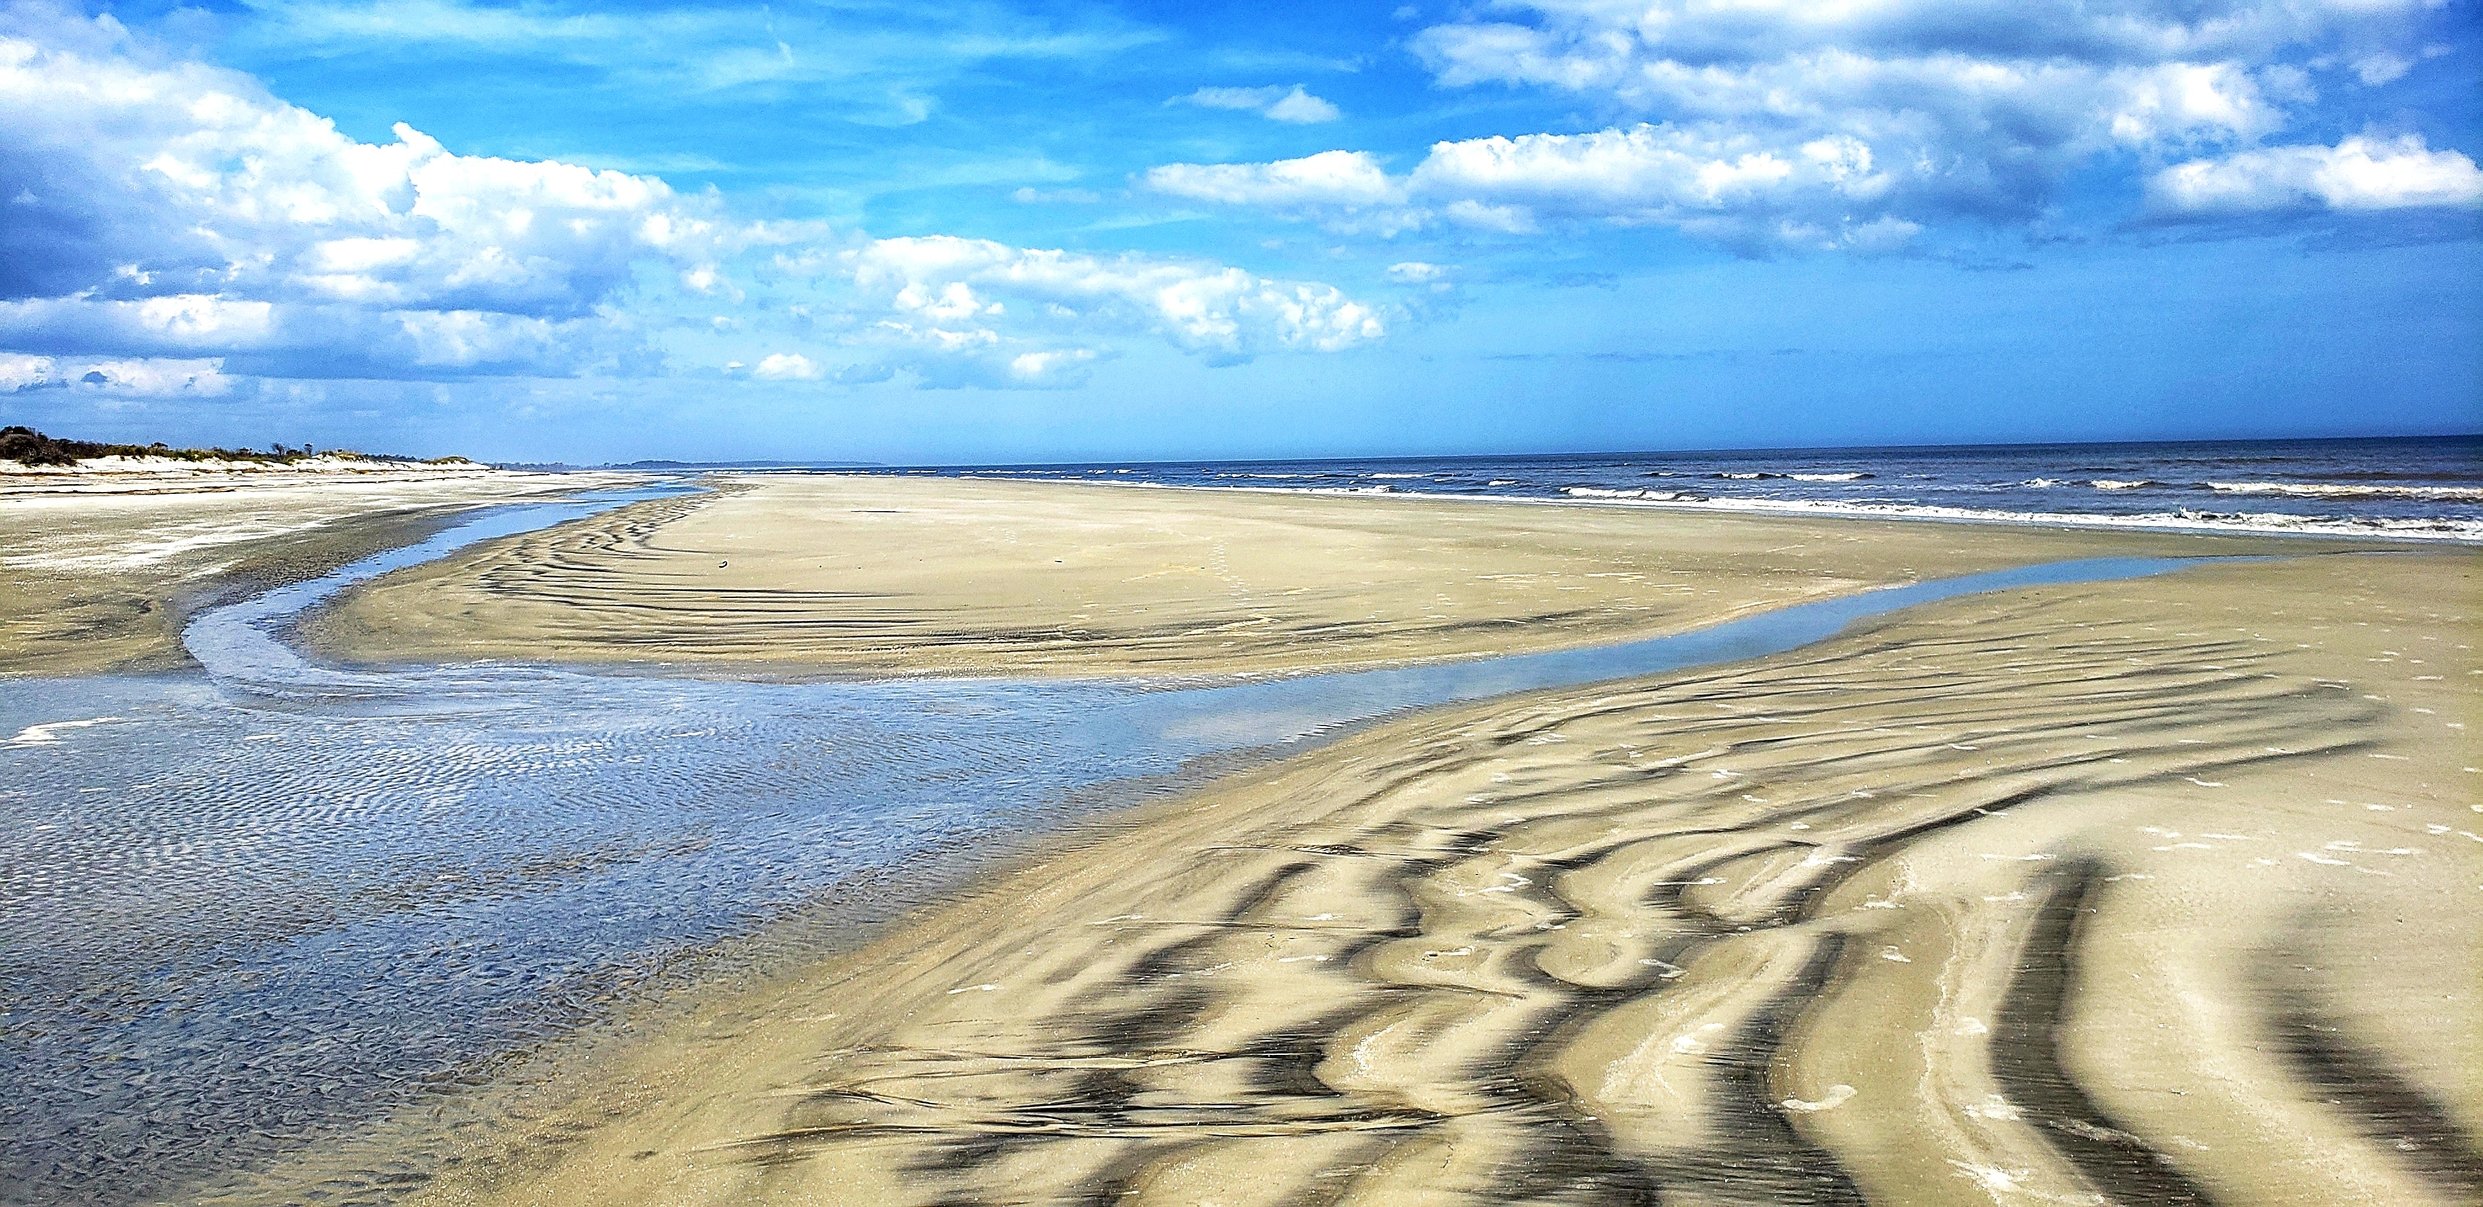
(2147, 891)
(1061, 603)
(911, 576)
(100, 567)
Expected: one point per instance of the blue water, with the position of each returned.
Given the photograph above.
(242, 907)
(2411, 488)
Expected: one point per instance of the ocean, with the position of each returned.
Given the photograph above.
(2405, 488)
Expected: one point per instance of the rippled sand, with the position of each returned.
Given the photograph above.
(903, 576)
(98, 577)
(2160, 891)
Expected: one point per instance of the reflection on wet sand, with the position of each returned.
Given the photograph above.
(2146, 892)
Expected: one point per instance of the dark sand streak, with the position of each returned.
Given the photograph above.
(2398, 1117)
(2027, 1060)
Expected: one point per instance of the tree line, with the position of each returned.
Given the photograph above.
(29, 447)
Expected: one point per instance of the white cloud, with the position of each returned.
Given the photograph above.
(2382, 68)
(1506, 219)
(1330, 178)
(1716, 183)
(1022, 316)
(2360, 173)
(1651, 169)
(1274, 102)
(116, 377)
(318, 339)
(786, 366)
(184, 175)
(2179, 103)
(1852, 125)
(1059, 366)
(21, 372)
(154, 378)
(1623, 48)
(173, 207)
(161, 211)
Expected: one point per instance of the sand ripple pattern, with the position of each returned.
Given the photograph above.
(240, 915)
(1832, 929)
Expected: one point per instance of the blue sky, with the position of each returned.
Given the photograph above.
(997, 231)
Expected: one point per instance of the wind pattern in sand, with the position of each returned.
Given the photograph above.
(1836, 928)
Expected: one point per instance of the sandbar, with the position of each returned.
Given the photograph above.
(886, 575)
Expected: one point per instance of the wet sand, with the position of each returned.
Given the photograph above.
(2156, 891)
(907, 576)
(98, 572)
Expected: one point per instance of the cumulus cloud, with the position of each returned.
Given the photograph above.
(21, 372)
(2356, 174)
(166, 206)
(786, 366)
(1274, 102)
(153, 378)
(124, 377)
(1781, 123)
(315, 339)
(1057, 366)
(162, 211)
(1010, 315)
(1643, 174)
(1654, 174)
(1330, 178)
(166, 178)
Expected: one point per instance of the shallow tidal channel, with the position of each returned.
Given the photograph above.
(243, 907)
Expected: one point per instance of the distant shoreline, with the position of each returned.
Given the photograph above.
(2427, 489)
(1854, 450)
(120, 475)
(34, 450)
(1761, 507)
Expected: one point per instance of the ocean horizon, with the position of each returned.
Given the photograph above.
(2423, 487)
